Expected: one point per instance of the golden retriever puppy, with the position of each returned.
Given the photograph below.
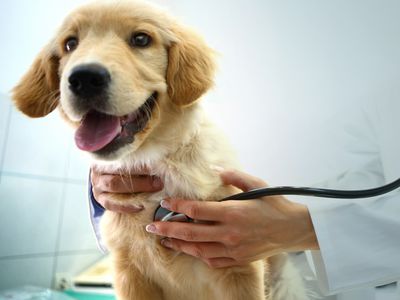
(128, 77)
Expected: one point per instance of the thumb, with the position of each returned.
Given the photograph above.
(241, 180)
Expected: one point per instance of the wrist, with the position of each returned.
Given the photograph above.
(306, 238)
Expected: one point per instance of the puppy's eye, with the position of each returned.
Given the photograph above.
(71, 44)
(140, 39)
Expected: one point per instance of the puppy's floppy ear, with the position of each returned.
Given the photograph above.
(190, 67)
(37, 93)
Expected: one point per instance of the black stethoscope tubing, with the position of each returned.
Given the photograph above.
(162, 214)
(315, 192)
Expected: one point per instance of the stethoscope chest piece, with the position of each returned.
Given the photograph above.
(163, 214)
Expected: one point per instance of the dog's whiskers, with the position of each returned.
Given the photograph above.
(157, 107)
(129, 172)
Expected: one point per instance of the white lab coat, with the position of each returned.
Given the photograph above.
(360, 239)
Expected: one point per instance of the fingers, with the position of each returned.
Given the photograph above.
(241, 180)
(222, 262)
(197, 210)
(105, 200)
(187, 231)
(126, 184)
(201, 250)
(106, 184)
(104, 170)
(216, 255)
(122, 184)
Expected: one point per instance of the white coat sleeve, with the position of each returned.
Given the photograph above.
(359, 240)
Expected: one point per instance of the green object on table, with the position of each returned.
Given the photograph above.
(88, 296)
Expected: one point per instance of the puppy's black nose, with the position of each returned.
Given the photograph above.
(89, 80)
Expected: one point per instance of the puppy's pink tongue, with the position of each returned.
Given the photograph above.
(96, 131)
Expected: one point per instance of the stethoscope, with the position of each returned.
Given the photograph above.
(162, 214)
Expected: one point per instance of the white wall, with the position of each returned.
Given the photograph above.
(290, 72)
(44, 224)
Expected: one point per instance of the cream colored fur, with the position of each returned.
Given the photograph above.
(179, 145)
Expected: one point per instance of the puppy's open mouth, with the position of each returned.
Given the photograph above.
(102, 133)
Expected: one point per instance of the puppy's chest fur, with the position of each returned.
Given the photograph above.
(186, 171)
(183, 157)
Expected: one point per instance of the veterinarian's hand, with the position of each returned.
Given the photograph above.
(104, 184)
(240, 231)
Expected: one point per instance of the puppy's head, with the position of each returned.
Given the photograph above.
(111, 69)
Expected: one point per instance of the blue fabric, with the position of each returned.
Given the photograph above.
(97, 209)
(96, 212)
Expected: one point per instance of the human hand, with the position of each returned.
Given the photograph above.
(138, 181)
(238, 232)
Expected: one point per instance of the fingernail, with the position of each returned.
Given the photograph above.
(166, 243)
(217, 169)
(165, 204)
(157, 183)
(151, 228)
